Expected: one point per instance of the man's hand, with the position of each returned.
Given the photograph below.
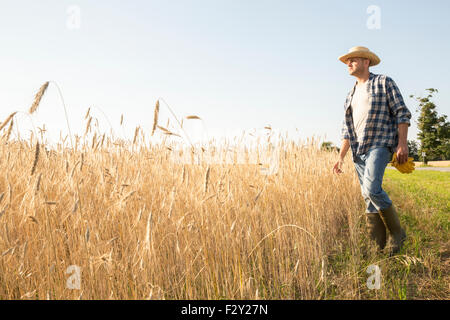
(402, 153)
(338, 166)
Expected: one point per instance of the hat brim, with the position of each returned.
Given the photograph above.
(374, 60)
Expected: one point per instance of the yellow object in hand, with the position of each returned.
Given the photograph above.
(406, 167)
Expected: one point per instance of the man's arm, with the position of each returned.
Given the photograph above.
(396, 103)
(402, 115)
(344, 148)
(345, 145)
(402, 148)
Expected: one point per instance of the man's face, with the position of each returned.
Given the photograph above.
(357, 66)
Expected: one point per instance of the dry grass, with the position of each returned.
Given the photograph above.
(142, 226)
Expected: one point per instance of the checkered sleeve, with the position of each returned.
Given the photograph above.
(344, 131)
(396, 103)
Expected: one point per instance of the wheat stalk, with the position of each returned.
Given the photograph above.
(183, 174)
(135, 135)
(38, 183)
(65, 111)
(9, 129)
(207, 179)
(94, 139)
(82, 162)
(75, 206)
(148, 232)
(7, 120)
(38, 97)
(87, 234)
(176, 119)
(167, 131)
(103, 139)
(88, 126)
(126, 197)
(193, 117)
(36, 158)
(155, 117)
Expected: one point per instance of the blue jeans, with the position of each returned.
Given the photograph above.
(370, 168)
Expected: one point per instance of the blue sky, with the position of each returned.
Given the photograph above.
(237, 64)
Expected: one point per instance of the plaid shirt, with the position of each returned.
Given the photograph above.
(386, 112)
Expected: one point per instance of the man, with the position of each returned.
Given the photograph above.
(375, 126)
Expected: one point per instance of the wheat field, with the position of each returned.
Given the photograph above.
(139, 225)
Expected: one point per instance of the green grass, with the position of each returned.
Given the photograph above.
(422, 269)
(423, 202)
(428, 188)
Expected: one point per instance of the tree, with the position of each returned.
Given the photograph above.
(443, 132)
(328, 146)
(434, 131)
(413, 148)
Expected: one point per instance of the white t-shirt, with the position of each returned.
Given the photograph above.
(360, 108)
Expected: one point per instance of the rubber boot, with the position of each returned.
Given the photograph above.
(398, 235)
(376, 228)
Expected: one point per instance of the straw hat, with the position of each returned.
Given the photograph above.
(361, 52)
